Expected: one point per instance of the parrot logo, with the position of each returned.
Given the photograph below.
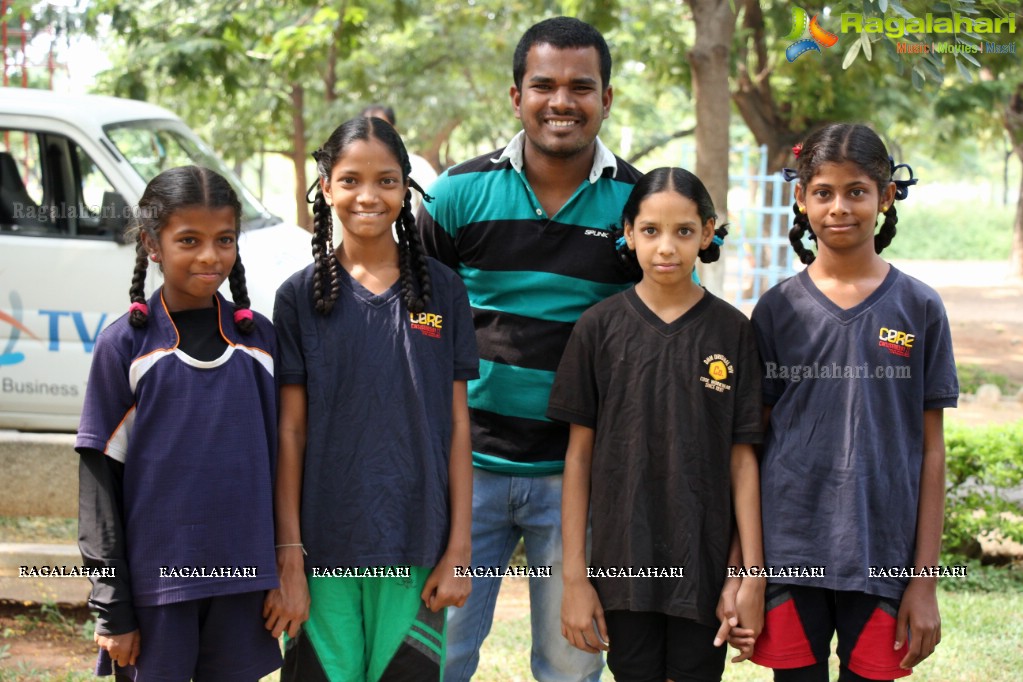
(818, 36)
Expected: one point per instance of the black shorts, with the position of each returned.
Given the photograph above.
(801, 621)
(653, 647)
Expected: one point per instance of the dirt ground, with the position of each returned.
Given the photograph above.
(985, 310)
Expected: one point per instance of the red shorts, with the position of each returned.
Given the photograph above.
(801, 621)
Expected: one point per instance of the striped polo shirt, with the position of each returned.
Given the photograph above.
(529, 277)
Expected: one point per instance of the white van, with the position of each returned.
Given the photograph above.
(71, 170)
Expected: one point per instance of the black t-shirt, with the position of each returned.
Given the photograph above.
(199, 333)
(667, 401)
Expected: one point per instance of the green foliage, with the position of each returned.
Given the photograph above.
(982, 465)
(971, 377)
(952, 230)
(981, 578)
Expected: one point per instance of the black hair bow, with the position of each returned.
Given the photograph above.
(901, 186)
(789, 174)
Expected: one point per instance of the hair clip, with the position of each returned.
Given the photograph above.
(797, 149)
(317, 155)
(789, 174)
(141, 307)
(242, 314)
(718, 240)
(901, 186)
(620, 242)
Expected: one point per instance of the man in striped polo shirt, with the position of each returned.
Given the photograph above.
(527, 228)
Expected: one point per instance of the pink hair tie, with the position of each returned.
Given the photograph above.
(141, 307)
(242, 314)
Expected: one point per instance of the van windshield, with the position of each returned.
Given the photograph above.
(152, 147)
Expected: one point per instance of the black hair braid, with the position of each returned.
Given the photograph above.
(625, 255)
(326, 285)
(801, 226)
(412, 262)
(887, 232)
(137, 292)
(240, 295)
(713, 250)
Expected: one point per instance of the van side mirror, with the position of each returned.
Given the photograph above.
(114, 216)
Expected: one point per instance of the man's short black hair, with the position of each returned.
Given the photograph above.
(561, 32)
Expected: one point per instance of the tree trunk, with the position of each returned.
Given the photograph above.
(710, 59)
(1013, 121)
(432, 150)
(1016, 259)
(298, 157)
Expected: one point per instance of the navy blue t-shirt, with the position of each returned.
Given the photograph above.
(840, 474)
(379, 384)
(198, 440)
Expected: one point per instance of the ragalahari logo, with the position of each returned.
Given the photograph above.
(818, 36)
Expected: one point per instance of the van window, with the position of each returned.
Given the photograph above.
(49, 186)
(21, 184)
(152, 147)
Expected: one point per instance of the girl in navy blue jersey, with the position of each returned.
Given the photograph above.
(177, 440)
(374, 487)
(858, 370)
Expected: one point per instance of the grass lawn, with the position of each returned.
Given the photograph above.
(982, 641)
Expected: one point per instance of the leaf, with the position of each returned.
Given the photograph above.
(866, 46)
(964, 72)
(970, 58)
(850, 56)
(933, 71)
(883, 5)
(917, 78)
(900, 10)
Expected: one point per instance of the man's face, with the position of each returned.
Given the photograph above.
(562, 103)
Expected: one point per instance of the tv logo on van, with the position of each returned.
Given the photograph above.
(818, 36)
(17, 327)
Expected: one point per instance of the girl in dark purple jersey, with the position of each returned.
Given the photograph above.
(177, 442)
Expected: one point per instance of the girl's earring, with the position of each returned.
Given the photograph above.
(802, 209)
(884, 209)
(153, 257)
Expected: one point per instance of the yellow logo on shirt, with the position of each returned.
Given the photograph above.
(718, 369)
(897, 342)
(428, 324)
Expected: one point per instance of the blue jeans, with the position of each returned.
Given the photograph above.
(505, 508)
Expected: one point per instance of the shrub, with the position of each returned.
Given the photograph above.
(984, 475)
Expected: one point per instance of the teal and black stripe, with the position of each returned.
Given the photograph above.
(529, 278)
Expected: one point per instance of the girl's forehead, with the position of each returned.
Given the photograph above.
(201, 217)
(842, 173)
(667, 200)
(367, 152)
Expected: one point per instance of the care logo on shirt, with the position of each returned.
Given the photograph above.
(897, 342)
(719, 368)
(428, 324)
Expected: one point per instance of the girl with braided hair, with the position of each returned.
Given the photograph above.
(377, 345)
(858, 370)
(178, 439)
